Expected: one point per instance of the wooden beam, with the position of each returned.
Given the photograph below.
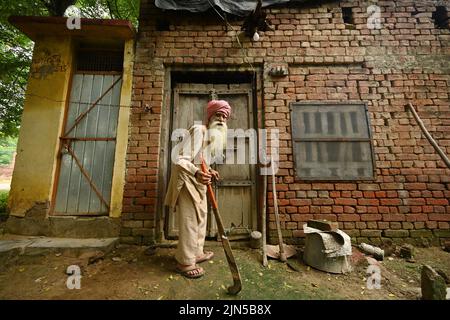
(428, 136)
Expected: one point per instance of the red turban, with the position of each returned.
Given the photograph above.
(218, 106)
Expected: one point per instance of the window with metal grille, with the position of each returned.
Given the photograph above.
(89, 60)
(331, 141)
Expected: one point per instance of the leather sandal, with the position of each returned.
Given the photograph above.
(207, 255)
(191, 272)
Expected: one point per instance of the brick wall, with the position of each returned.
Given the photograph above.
(406, 61)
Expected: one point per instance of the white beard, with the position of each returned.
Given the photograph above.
(218, 140)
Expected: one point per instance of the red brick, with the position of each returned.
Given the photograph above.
(322, 186)
(439, 217)
(368, 202)
(371, 217)
(369, 194)
(348, 209)
(394, 217)
(338, 209)
(304, 209)
(442, 202)
(346, 201)
(390, 202)
(373, 209)
(322, 201)
(300, 202)
(348, 217)
(291, 209)
(415, 186)
(345, 186)
(335, 194)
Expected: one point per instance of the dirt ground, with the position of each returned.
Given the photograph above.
(129, 272)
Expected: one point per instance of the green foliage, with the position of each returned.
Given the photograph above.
(3, 202)
(16, 49)
(15, 59)
(8, 146)
(116, 9)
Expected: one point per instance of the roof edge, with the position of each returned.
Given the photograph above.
(35, 26)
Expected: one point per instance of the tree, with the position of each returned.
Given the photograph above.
(115, 9)
(57, 7)
(15, 57)
(16, 49)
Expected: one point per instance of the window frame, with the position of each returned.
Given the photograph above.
(327, 104)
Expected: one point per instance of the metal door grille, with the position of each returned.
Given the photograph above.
(88, 146)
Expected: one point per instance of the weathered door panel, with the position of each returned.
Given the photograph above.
(236, 192)
(87, 157)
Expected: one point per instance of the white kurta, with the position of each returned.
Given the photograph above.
(188, 197)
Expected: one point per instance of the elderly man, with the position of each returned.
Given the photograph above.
(187, 186)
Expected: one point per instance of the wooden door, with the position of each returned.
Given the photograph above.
(236, 192)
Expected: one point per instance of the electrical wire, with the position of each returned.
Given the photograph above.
(246, 58)
(79, 102)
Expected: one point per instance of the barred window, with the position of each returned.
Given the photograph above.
(104, 60)
(331, 141)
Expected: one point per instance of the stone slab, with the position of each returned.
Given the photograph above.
(43, 245)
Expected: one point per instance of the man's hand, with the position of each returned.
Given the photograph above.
(214, 174)
(203, 178)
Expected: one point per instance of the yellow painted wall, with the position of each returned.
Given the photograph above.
(118, 182)
(42, 120)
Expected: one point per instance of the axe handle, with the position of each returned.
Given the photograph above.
(237, 283)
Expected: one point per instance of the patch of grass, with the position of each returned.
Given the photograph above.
(277, 282)
(434, 256)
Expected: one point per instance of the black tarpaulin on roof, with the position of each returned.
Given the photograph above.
(236, 7)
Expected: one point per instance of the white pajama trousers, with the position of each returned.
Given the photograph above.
(192, 227)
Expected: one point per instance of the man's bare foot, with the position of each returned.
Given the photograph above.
(207, 255)
(190, 271)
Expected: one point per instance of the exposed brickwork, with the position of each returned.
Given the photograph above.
(406, 61)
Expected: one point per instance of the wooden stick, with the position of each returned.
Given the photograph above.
(264, 213)
(237, 282)
(277, 217)
(428, 136)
